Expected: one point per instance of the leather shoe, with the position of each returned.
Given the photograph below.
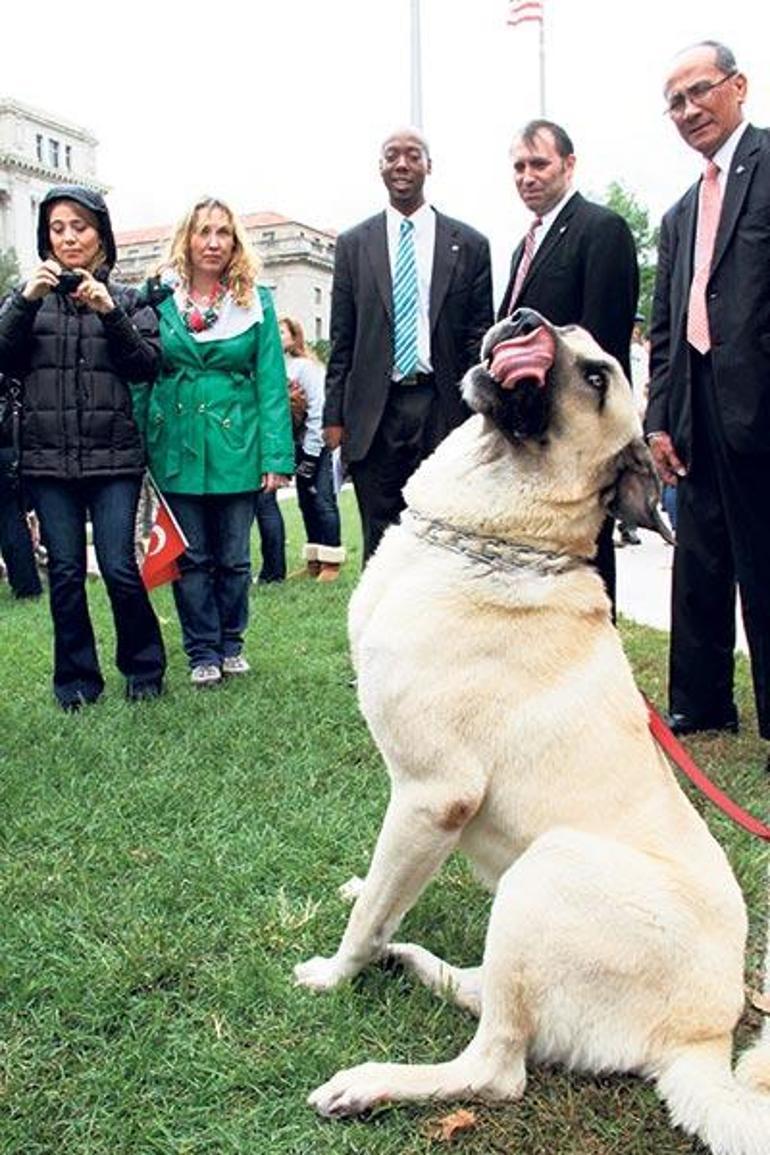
(681, 724)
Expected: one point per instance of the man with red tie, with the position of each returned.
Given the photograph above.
(576, 265)
(708, 418)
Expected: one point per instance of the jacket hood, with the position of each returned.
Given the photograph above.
(93, 201)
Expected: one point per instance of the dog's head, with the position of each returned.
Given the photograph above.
(565, 406)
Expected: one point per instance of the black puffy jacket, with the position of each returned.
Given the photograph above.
(75, 365)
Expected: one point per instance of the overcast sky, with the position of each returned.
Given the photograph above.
(282, 106)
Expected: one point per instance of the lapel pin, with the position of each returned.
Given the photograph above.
(740, 168)
(455, 248)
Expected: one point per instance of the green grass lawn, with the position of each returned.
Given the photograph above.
(165, 864)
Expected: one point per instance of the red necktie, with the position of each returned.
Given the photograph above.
(709, 206)
(525, 262)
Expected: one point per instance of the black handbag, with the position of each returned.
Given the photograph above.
(10, 427)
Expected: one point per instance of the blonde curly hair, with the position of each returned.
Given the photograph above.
(241, 273)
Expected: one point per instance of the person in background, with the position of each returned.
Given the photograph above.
(708, 417)
(640, 376)
(323, 552)
(218, 426)
(411, 302)
(75, 341)
(576, 265)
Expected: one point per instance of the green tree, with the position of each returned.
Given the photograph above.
(638, 219)
(321, 349)
(9, 271)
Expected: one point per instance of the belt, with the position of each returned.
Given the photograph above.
(416, 379)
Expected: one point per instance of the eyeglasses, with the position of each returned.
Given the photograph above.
(697, 93)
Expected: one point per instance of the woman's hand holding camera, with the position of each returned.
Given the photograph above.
(77, 283)
(93, 294)
(44, 279)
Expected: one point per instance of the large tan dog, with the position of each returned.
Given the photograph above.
(499, 695)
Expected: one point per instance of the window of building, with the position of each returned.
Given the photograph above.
(318, 329)
(317, 295)
(68, 157)
(39, 146)
(53, 153)
(268, 236)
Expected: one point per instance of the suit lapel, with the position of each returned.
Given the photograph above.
(736, 188)
(376, 248)
(445, 252)
(554, 238)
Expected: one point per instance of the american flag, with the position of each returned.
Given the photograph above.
(521, 10)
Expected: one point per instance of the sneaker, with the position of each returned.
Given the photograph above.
(235, 664)
(203, 676)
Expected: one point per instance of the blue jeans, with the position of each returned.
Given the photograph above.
(318, 504)
(15, 540)
(212, 594)
(272, 536)
(63, 507)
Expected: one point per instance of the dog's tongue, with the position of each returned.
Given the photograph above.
(527, 357)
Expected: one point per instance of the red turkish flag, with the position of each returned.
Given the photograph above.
(167, 542)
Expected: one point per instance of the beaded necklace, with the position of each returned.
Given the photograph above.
(196, 317)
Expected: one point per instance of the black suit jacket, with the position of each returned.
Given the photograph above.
(584, 273)
(358, 377)
(738, 303)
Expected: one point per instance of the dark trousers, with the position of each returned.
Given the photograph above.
(723, 539)
(212, 594)
(15, 540)
(272, 536)
(404, 438)
(63, 508)
(604, 561)
(318, 503)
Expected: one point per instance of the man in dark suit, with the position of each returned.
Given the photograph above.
(577, 264)
(708, 417)
(390, 398)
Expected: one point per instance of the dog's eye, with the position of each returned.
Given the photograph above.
(596, 377)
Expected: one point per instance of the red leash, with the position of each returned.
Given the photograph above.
(679, 756)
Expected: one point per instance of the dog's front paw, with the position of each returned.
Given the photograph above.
(350, 890)
(322, 974)
(352, 1092)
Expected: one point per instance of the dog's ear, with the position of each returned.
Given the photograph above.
(634, 496)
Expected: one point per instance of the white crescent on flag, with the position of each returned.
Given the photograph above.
(157, 540)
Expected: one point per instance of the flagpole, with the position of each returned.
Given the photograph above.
(416, 71)
(542, 63)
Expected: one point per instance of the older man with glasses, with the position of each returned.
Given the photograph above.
(708, 417)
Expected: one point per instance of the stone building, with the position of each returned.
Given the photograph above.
(297, 262)
(37, 150)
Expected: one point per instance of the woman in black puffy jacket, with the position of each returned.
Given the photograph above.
(75, 341)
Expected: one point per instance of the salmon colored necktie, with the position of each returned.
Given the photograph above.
(525, 262)
(709, 207)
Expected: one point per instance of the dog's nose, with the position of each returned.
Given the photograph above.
(525, 321)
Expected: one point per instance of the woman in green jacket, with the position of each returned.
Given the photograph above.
(218, 426)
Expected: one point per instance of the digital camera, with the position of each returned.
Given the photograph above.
(68, 282)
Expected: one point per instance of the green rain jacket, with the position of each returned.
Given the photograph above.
(218, 416)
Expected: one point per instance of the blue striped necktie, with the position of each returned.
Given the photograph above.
(405, 302)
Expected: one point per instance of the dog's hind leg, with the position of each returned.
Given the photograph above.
(462, 985)
(418, 834)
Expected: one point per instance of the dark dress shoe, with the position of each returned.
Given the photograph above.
(681, 724)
